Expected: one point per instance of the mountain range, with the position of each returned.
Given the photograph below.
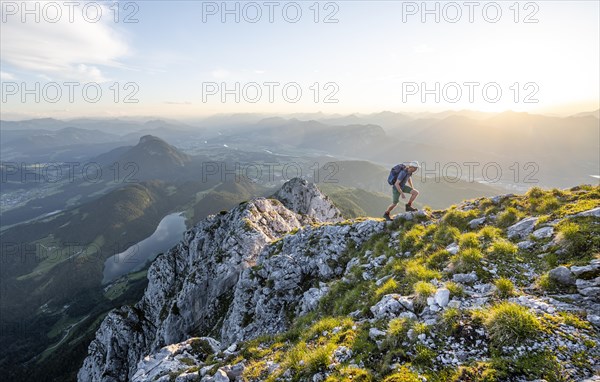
(522, 145)
(57, 235)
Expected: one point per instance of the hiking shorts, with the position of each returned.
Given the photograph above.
(396, 195)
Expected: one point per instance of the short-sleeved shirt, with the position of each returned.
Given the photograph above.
(403, 176)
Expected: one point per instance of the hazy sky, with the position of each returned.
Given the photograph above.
(180, 56)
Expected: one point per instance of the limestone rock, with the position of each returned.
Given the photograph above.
(525, 245)
(543, 233)
(390, 306)
(305, 198)
(442, 297)
(465, 278)
(522, 228)
(589, 288)
(562, 275)
(587, 271)
(476, 222)
(452, 248)
(595, 212)
(191, 286)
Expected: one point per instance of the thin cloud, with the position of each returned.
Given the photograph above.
(66, 50)
(5, 76)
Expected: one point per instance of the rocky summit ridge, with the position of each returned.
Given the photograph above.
(284, 289)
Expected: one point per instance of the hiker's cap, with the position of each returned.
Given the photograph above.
(414, 164)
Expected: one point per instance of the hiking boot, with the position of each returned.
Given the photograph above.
(410, 208)
(387, 217)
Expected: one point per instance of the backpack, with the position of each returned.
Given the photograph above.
(394, 173)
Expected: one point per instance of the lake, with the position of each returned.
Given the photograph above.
(168, 233)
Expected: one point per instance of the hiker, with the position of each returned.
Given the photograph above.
(399, 176)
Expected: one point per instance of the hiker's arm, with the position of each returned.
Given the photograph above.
(397, 185)
(410, 183)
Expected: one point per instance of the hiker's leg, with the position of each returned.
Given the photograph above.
(395, 199)
(390, 208)
(413, 195)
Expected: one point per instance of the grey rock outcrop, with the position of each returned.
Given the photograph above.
(392, 305)
(442, 297)
(525, 245)
(521, 228)
(465, 278)
(266, 296)
(595, 212)
(255, 269)
(562, 275)
(200, 285)
(452, 248)
(306, 199)
(589, 288)
(476, 222)
(171, 358)
(543, 233)
(587, 271)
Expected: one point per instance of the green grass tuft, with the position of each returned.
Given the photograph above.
(509, 324)
(504, 287)
(459, 219)
(467, 260)
(468, 240)
(508, 217)
(403, 375)
(502, 249)
(423, 290)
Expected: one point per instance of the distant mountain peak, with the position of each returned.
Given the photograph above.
(150, 138)
(155, 157)
(595, 113)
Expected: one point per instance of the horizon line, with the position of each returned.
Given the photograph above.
(18, 118)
